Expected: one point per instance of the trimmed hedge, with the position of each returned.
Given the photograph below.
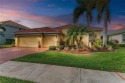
(52, 47)
(61, 47)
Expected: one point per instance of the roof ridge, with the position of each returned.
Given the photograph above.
(18, 24)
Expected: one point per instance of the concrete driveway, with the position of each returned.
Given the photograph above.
(42, 73)
(7, 54)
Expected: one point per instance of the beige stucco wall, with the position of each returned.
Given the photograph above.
(16, 41)
(97, 34)
(86, 40)
(116, 37)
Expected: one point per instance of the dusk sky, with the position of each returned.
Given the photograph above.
(40, 13)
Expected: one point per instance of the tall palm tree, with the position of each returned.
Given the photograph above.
(103, 7)
(85, 6)
(88, 6)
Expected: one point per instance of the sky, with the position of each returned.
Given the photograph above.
(41, 13)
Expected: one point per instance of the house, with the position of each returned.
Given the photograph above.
(46, 36)
(117, 35)
(10, 27)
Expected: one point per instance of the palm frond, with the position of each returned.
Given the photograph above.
(77, 13)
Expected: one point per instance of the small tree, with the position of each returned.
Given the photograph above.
(76, 34)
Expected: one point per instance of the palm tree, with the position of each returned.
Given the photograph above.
(76, 34)
(85, 6)
(103, 7)
(88, 6)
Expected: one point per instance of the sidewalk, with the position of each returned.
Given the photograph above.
(42, 73)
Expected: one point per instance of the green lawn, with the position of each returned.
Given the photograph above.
(108, 61)
(6, 46)
(12, 80)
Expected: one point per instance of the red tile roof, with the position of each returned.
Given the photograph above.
(39, 30)
(14, 24)
(50, 30)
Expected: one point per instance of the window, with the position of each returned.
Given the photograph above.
(123, 37)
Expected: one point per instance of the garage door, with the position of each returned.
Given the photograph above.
(49, 40)
(28, 41)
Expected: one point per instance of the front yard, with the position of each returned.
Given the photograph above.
(108, 61)
(12, 80)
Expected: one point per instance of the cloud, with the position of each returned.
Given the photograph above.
(21, 16)
(116, 24)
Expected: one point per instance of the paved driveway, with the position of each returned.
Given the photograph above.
(10, 53)
(42, 73)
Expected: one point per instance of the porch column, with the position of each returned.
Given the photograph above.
(16, 41)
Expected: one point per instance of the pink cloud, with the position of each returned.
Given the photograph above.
(116, 24)
(16, 15)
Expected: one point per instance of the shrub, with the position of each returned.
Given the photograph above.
(109, 47)
(97, 43)
(74, 46)
(62, 42)
(116, 41)
(61, 47)
(52, 47)
(122, 45)
(113, 43)
(10, 41)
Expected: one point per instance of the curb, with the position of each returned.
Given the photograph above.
(120, 75)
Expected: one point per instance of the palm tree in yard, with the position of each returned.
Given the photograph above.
(76, 34)
(103, 7)
(87, 6)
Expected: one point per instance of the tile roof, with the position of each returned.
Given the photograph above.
(50, 30)
(39, 30)
(14, 24)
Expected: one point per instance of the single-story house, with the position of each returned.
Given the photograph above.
(117, 35)
(46, 36)
(10, 27)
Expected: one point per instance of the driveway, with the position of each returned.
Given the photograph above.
(42, 73)
(7, 54)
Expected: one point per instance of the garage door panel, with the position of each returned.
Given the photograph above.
(28, 41)
(49, 40)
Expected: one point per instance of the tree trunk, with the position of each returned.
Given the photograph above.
(105, 36)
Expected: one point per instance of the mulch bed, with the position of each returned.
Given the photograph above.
(86, 52)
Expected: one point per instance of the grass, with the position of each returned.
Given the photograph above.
(6, 46)
(12, 80)
(108, 61)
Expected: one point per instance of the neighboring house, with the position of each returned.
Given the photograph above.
(10, 27)
(117, 35)
(46, 36)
